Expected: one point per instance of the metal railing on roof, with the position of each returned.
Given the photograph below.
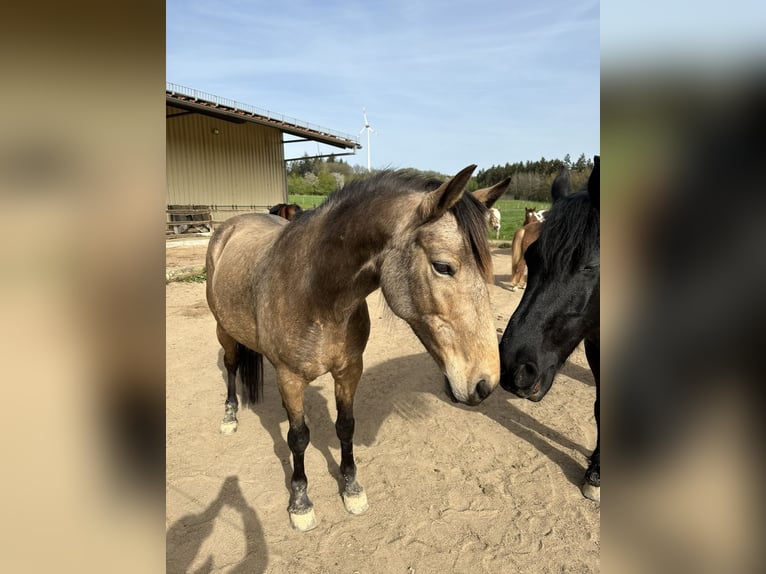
(229, 103)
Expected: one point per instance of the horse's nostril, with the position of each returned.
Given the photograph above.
(526, 375)
(483, 389)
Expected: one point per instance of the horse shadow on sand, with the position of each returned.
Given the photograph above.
(399, 387)
(186, 536)
(578, 373)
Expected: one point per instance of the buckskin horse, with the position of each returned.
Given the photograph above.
(560, 307)
(295, 293)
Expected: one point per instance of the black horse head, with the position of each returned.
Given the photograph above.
(560, 306)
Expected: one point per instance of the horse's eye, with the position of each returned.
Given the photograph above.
(443, 268)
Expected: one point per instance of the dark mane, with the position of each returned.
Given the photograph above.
(570, 233)
(470, 215)
(379, 188)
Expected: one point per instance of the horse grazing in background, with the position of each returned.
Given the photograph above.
(560, 307)
(295, 293)
(288, 211)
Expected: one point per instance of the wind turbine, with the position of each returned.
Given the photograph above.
(368, 129)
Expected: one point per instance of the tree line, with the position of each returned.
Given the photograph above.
(530, 180)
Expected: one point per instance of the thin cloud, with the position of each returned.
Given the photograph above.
(445, 83)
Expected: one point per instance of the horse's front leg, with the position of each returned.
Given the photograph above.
(301, 509)
(591, 487)
(346, 381)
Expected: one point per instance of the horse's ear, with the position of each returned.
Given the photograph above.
(561, 185)
(489, 195)
(594, 182)
(437, 202)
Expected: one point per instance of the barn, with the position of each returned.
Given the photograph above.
(224, 157)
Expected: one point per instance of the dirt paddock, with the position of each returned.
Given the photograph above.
(492, 488)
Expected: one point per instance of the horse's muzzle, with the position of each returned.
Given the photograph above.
(481, 391)
(526, 382)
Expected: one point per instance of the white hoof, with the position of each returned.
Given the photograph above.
(591, 492)
(228, 427)
(304, 522)
(356, 503)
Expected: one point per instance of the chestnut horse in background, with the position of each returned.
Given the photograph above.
(530, 231)
(288, 211)
(295, 293)
(530, 215)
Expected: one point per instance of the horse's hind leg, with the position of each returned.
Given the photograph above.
(517, 257)
(231, 362)
(346, 381)
(517, 279)
(591, 487)
(301, 509)
(521, 282)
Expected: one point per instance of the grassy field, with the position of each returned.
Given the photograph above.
(511, 212)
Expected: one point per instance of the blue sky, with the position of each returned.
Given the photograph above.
(683, 34)
(445, 83)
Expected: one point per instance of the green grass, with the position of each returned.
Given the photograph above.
(193, 278)
(511, 212)
(307, 201)
(196, 278)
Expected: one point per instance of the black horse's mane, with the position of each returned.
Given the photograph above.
(570, 235)
(387, 184)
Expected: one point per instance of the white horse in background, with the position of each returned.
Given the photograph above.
(494, 221)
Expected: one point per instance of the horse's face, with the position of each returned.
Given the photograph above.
(560, 306)
(432, 279)
(434, 283)
(556, 312)
(494, 218)
(292, 211)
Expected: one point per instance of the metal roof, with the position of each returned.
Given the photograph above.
(195, 101)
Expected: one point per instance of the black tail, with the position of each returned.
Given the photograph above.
(251, 372)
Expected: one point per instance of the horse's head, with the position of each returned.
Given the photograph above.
(560, 306)
(292, 211)
(434, 276)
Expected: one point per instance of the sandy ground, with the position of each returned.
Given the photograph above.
(492, 488)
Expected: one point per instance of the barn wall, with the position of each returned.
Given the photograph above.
(243, 165)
